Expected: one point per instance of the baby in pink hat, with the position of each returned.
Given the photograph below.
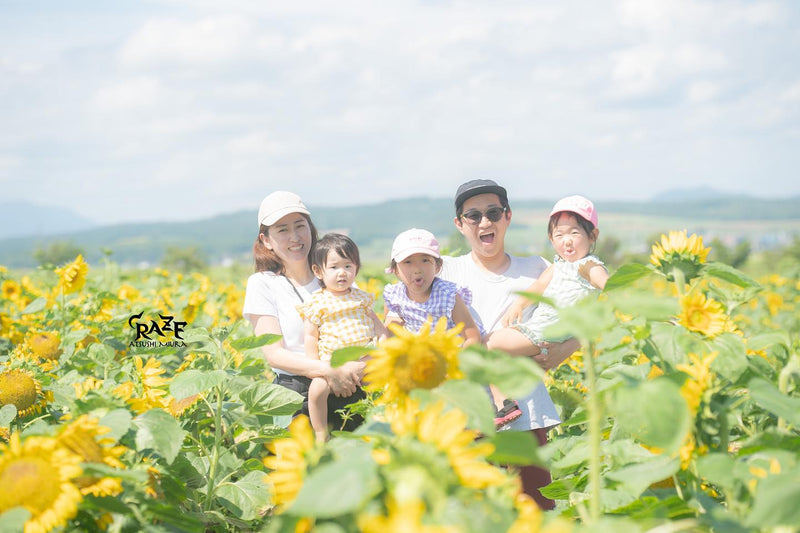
(420, 295)
(574, 274)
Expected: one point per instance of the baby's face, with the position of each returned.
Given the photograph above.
(338, 273)
(417, 272)
(569, 239)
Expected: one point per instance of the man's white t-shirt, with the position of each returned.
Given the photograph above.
(492, 295)
(273, 295)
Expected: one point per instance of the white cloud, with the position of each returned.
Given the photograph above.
(8, 163)
(702, 91)
(132, 94)
(791, 93)
(231, 99)
(208, 40)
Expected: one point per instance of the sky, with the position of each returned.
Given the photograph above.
(175, 110)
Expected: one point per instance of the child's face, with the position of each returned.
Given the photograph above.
(338, 273)
(417, 272)
(570, 240)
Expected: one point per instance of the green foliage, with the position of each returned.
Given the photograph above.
(735, 256)
(184, 259)
(664, 427)
(56, 253)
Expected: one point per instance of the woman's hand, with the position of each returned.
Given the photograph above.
(345, 379)
(554, 353)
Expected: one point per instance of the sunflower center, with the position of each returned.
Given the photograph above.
(699, 318)
(45, 345)
(29, 482)
(17, 388)
(428, 367)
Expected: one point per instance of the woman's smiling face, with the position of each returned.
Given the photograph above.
(289, 238)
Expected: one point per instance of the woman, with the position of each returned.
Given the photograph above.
(283, 280)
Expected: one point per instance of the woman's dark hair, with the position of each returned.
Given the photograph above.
(585, 225)
(341, 244)
(266, 260)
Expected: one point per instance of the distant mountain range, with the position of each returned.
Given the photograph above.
(231, 236)
(20, 219)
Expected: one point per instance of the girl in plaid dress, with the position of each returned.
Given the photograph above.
(336, 316)
(421, 295)
(574, 274)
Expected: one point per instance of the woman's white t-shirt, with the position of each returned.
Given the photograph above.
(274, 295)
(492, 295)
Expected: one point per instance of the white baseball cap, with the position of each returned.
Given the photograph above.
(279, 204)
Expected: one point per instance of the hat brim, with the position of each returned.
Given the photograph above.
(408, 252)
(592, 218)
(275, 216)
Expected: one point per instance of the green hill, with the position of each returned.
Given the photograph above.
(230, 237)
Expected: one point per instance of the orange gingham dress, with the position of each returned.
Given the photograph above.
(342, 320)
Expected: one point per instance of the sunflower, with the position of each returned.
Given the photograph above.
(11, 290)
(774, 302)
(401, 517)
(151, 372)
(447, 432)
(38, 475)
(89, 384)
(289, 462)
(178, 407)
(529, 517)
(411, 361)
(83, 438)
(127, 292)
(72, 276)
(702, 314)
(20, 388)
(153, 395)
(700, 378)
(44, 344)
(677, 251)
(690, 449)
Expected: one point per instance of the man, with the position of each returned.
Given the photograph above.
(483, 216)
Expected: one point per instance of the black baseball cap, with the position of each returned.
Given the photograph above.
(475, 187)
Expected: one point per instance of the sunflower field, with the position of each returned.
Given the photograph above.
(139, 401)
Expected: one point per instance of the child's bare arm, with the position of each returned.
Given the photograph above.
(514, 313)
(461, 315)
(311, 339)
(595, 273)
(381, 331)
(393, 320)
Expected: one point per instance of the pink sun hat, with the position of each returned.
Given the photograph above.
(578, 205)
(414, 241)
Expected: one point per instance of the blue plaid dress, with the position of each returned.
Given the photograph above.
(439, 304)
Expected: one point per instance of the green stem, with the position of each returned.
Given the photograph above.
(792, 368)
(680, 281)
(212, 469)
(63, 313)
(594, 433)
(218, 432)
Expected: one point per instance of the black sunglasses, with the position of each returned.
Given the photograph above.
(474, 217)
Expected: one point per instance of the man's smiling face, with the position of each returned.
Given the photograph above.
(486, 238)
